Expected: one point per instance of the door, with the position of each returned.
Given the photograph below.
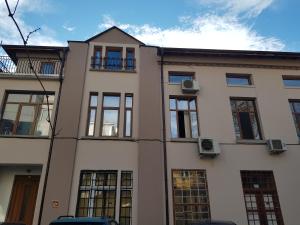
(22, 199)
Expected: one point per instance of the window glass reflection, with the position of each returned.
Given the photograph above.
(110, 123)
(111, 101)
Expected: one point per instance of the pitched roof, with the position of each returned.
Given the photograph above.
(114, 28)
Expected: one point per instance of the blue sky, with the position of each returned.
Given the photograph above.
(220, 24)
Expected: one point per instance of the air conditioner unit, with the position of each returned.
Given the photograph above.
(208, 147)
(189, 86)
(276, 146)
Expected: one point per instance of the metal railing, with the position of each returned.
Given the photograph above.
(114, 64)
(21, 66)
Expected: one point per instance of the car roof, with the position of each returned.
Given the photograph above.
(214, 222)
(81, 220)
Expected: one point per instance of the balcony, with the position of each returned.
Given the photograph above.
(113, 64)
(20, 66)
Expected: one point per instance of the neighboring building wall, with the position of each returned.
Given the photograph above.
(23, 152)
(215, 121)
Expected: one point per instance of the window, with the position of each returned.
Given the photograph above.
(92, 112)
(190, 196)
(295, 108)
(97, 58)
(177, 77)
(130, 60)
(291, 81)
(113, 59)
(47, 68)
(261, 199)
(128, 115)
(110, 114)
(97, 194)
(238, 79)
(183, 115)
(26, 114)
(126, 198)
(245, 119)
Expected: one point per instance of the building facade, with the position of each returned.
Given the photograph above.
(128, 132)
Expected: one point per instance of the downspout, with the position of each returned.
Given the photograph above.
(52, 137)
(164, 134)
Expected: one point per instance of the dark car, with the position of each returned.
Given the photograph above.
(68, 220)
(214, 222)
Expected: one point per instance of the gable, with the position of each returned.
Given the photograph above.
(115, 35)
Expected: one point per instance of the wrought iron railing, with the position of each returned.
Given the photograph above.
(21, 66)
(115, 64)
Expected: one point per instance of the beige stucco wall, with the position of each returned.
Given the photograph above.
(105, 155)
(96, 153)
(215, 121)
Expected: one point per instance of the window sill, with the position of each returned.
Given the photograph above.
(242, 86)
(190, 140)
(25, 136)
(245, 141)
(113, 71)
(108, 138)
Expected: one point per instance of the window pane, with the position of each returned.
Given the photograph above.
(189, 208)
(291, 82)
(9, 118)
(42, 128)
(245, 119)
(177, 79)
(110, 123)
(97, 198)
(128, 123)
(47, 68)
(93, 100)
(128, 103)
(114, 59)
(174, 132)
(182, 104)
(91, 125)
(111, 101)
(114, 54)
(194, 125)
(37, 99)
(172, 103)
(18, 98)
(26, 120)
(192, 104)
(296, 107)
(238, 80)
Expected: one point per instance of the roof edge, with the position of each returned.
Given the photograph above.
(113, 27)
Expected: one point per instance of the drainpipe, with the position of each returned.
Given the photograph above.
(52, 137)
(164, 134)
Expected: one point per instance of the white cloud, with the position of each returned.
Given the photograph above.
(8, 31)
(208, 31)
(68, 28)
(250, 8)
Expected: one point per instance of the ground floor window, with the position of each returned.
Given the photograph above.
(126, 198)
(261, 199)
(190, 196)
(98, 192)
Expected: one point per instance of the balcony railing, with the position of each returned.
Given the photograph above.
(114, 64)
(21, 66)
